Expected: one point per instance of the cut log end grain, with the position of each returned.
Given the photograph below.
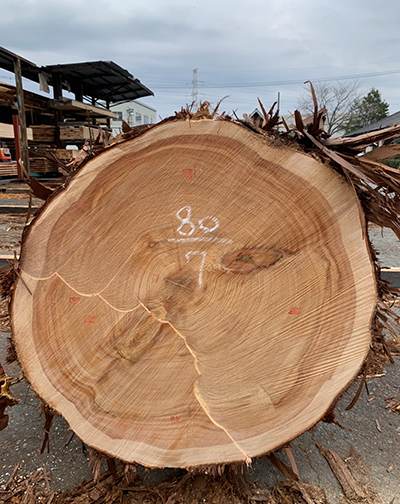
(197, 295)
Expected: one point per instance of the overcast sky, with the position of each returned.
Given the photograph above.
(243, 49)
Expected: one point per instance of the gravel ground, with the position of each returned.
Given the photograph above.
(387, 245)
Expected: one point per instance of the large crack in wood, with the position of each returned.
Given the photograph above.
(196, 392)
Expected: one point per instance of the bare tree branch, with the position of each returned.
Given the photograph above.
(338, 99)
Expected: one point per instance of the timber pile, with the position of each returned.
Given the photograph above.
(42, 165)
(41, 159)
(214, 294)
(66, 154)
(7, 131)
(8, 169)
(77, 132)
(43, 133)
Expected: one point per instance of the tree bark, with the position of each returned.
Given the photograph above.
(200, 294)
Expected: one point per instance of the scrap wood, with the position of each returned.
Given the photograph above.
(188, 489)
(271, 118)
(393, 404)
(350, 486)
(292, 460)
(338, 159)
(83, 155)
(61, 164)
(367, 366)
(4, 316)
(48, 414)
(282, 468)
(6, 398)
(297, 492)
(361, 142)
(382, 153)
(27, 489)
(38, 189)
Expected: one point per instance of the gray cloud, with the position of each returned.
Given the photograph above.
(231, 42)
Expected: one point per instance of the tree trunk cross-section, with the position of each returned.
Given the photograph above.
(197, 295)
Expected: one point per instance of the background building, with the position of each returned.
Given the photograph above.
(134, 113)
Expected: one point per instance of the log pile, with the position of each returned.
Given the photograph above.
(215, 293)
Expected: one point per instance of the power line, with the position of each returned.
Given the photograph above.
(287, 82)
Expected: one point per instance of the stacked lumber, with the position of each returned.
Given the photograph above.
(7, 131)
(77, 133)
(42, 165)
(40, 161)
(8, 169)
(41, 150)
(66, 154)
(43, 133)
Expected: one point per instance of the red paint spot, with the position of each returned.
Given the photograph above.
(294, 311)
(88, 320)
(174, 419)
(189, 173)
(74, 300)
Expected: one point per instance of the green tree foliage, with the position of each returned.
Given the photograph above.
(367, 110)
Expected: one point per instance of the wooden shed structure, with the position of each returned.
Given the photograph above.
(31, 123)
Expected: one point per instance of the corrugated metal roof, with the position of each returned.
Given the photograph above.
(390, 120)
(28, 69)
(102, 80)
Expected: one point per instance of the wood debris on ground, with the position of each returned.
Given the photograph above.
(6, 398)
(4, 316)
(230, 487)
(393, 403)
(27, 489)
(353, 490)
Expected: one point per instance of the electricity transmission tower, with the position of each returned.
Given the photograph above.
(195, 91)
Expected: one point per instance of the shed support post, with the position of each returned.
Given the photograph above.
(108, 119)
(21, 113)
(17, 140)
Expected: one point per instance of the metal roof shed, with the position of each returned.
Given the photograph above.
(28, 69)
(99, 80)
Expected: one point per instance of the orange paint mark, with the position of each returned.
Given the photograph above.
(175, 419)
(73, 300)
(88, 319)
(189, 173)
(294, 311)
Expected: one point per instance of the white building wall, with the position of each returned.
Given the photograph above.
(134, 113)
